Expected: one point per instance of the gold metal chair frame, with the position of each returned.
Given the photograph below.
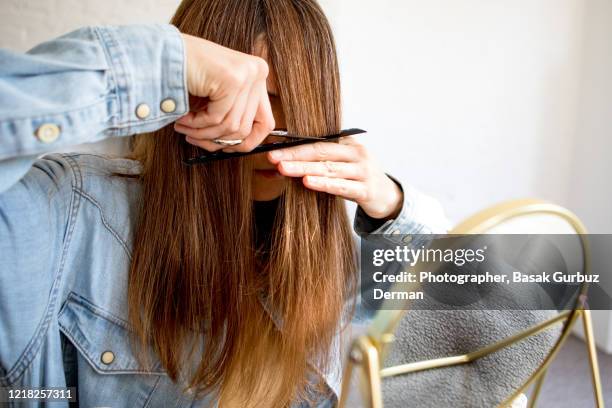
(367, 351)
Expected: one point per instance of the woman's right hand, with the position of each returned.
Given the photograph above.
(235, 85)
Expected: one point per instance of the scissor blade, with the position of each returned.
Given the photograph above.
(297, 140)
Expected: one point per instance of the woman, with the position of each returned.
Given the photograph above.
(145, 282)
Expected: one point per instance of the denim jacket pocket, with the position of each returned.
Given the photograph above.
(102, 338)
(109, 373)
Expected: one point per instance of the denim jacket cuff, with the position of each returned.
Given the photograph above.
(410, 221)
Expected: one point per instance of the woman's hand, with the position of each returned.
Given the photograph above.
(344, 169)
(235, 85)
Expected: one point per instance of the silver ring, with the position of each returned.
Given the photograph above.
(279, 133)
(227, 142)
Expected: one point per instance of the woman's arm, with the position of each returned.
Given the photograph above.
(88, 85)
(420, 218)
(101, 82)
(348, 170)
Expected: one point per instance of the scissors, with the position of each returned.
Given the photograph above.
(295, 140)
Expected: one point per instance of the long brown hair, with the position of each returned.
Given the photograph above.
(194, 273)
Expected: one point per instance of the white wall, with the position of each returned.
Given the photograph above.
(591, 193)
(473, 101)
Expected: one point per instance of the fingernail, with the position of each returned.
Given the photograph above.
(288, 166)
(276, 154)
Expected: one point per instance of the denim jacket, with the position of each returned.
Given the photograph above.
(67, 225)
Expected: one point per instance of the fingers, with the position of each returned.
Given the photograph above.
(320, 151)
(349, 189)
(250, 110)
(261, 124)
(206, 125)
(204, 144)
(351, 171)
(340, 169)
(244, 106)
(255, 124)
(349, 140)
(230, 90)
(218, 112)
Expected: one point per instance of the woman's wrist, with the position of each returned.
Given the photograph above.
(387, 204)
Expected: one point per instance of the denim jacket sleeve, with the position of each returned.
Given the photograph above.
(420, 214)
(86, 86)
(420, 218)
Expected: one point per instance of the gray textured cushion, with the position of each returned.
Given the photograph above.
(425, 334)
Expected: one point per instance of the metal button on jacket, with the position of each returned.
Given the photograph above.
(107, 357)
(143, 111)
(48, 132)
(168, 105)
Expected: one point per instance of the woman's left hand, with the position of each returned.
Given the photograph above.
(345, 169)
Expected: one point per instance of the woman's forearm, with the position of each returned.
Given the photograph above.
(91, 84)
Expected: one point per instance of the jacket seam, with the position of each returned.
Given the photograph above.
(104, 220)
(96, 310)
(31, 350)
(54, 114)
(133, 164)
(148, 400)
(114, 50)
(113, 72)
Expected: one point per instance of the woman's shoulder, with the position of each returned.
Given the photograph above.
(96, 164)
(103, 190)
(105, 180)
(66, 231)
(89, 172)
